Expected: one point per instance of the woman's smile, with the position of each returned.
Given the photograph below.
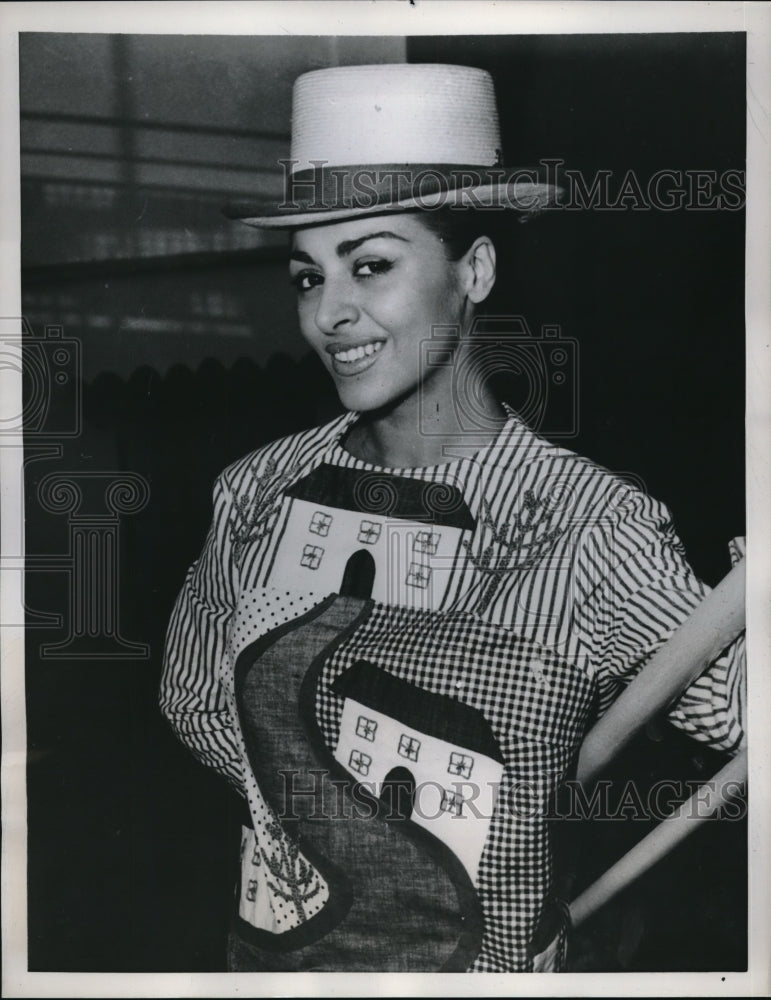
(352, 359)
(371, 293)
(388, 310)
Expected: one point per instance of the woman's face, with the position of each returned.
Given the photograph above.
(370, 292)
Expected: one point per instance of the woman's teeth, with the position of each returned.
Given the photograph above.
(357, 353)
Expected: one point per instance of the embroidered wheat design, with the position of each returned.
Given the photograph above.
(255, 510)
(293, 875)
(518, 546)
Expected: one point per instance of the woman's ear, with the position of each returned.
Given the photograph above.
(480, 260)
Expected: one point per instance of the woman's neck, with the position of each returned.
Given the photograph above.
(427, 432)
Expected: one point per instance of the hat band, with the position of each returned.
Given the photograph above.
(362, 187)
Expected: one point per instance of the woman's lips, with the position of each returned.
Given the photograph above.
(352, 359)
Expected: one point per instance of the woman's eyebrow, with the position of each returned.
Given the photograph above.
(302, 256)
(348, 246)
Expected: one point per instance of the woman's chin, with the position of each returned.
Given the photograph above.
(361, 398)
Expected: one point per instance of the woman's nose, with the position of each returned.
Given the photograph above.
(336, 307)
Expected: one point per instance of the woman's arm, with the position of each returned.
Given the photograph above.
(642, 589)
(191, 694)
(723, 686)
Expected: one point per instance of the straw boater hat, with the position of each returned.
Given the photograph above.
(372, 139)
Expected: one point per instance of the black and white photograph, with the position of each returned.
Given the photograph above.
(384, 451)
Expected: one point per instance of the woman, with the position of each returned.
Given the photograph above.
(402, 622)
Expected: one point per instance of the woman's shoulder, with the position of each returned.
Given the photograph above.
(584, 490)
(283, 455)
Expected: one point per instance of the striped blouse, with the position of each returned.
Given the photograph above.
(521, 579)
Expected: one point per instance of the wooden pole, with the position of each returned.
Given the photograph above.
(703, 804)
(715, 623)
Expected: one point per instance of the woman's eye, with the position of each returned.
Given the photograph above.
(368, 268)
(305, 280)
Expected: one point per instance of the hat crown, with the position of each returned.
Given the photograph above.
(396, 113)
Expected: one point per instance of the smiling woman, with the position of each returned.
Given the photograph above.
(402, 622)
(371, 301)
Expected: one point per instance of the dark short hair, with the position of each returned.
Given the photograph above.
(458, 228)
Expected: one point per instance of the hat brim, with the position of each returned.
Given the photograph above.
(525, 198)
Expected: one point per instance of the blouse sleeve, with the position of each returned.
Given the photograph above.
(637, 589)
(192, 696)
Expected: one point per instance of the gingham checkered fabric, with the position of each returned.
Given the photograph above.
(568, 583)
(537, 717)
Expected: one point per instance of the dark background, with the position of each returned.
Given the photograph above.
(190, 358)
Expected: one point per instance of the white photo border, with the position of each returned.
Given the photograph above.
(402, 17)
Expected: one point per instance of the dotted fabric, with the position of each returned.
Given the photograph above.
(258, 613)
